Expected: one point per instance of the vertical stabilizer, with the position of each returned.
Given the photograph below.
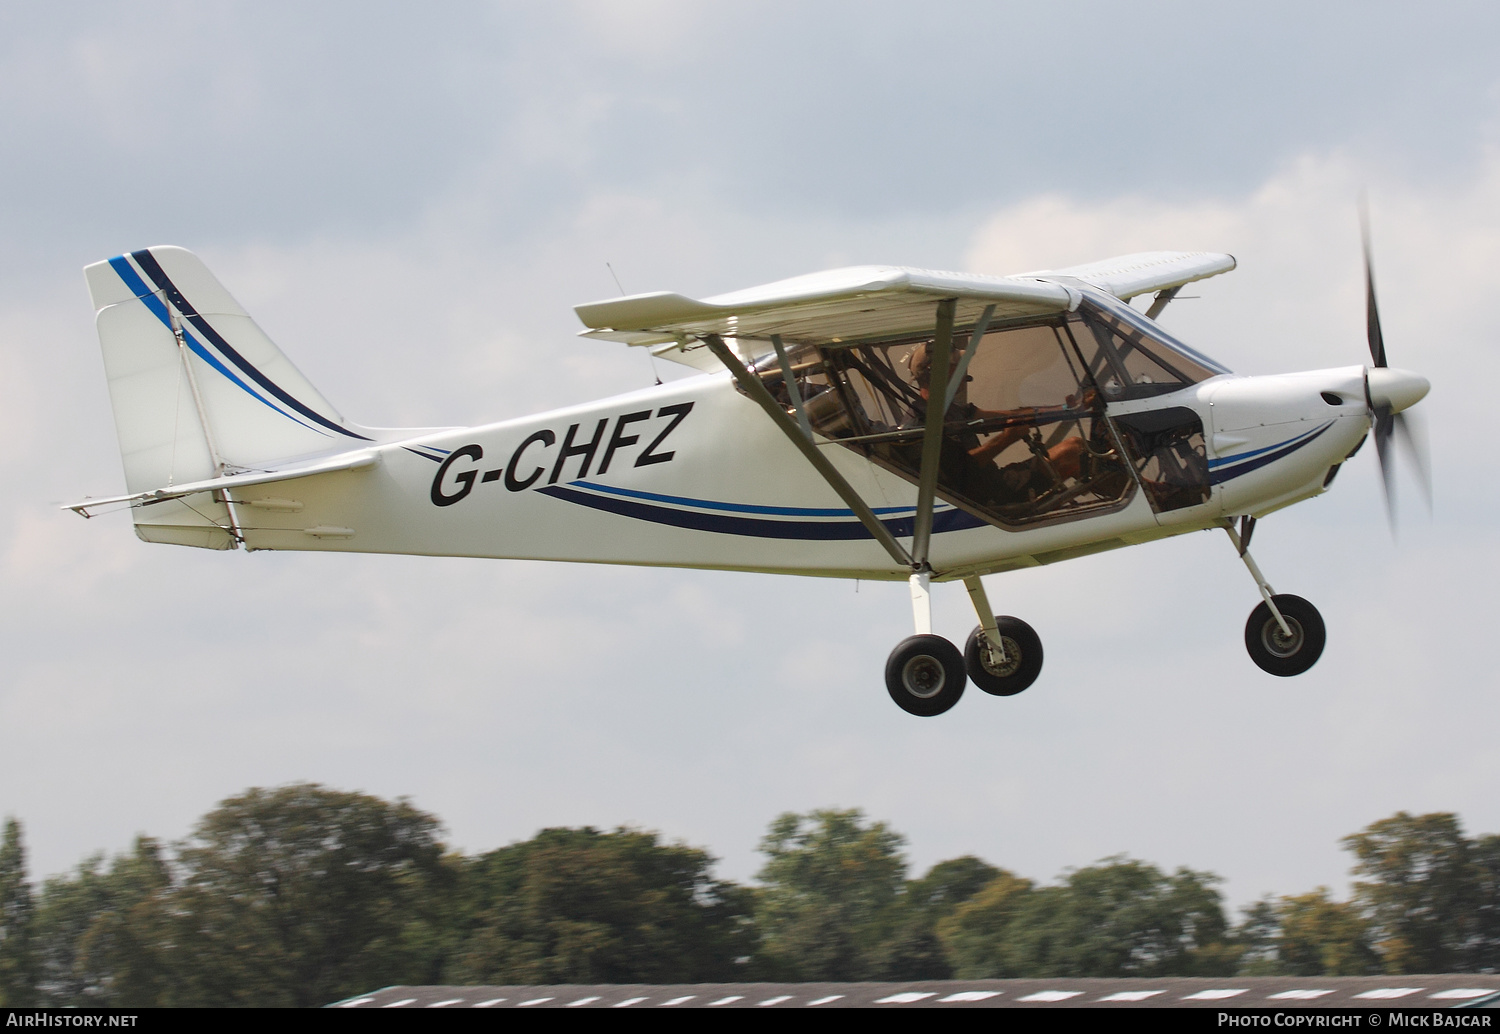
(198, 391)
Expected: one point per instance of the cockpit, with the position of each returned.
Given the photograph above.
(1026, 439)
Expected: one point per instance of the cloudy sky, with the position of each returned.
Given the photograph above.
(410, 200)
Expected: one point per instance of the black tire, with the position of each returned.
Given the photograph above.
(925, 675)
(1023, 658)
(1269, 647)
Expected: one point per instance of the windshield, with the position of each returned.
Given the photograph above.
(1135, 358)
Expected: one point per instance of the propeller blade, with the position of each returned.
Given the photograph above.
(1372, 311)
(1372, 317)
(1384, 426)
(1395, 390)
(1377, 342)
(1408, 428)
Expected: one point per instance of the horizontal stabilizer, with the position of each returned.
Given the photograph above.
(357, 460)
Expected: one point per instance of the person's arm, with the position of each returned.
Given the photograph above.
(998, 443)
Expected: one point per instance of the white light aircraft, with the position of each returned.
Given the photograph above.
(1070, 422)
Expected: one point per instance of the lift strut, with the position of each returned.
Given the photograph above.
(943, 386)
(758, 392)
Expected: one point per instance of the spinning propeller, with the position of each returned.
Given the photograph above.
(1388, 393)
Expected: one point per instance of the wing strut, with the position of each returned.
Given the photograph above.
(957, 380)
(792, 391)
(1161, 301)
(932, 435)
(942, 389)
(757, 391)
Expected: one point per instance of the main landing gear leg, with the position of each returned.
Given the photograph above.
(1004, 654)
(1285, 634)
(921, 601)
(925, 673)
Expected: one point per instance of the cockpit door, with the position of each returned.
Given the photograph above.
(1168, 453)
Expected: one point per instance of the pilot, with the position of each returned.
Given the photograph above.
(1015, 482)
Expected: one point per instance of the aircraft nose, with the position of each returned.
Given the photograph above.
(1395, 390)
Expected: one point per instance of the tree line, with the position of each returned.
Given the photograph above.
(301, 895)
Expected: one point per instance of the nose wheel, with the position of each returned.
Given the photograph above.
(925, 675)
(1285, 634)
(1290, 650)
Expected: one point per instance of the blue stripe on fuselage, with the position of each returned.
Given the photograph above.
(781, 511)
(755, 527)
(1237, 457)
(1260, 457)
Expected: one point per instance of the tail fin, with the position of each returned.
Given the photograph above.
(198, 391)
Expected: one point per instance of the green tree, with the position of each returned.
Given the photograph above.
(65, 913)
(1124, 917)
(1484, 945)
(916, 950)
(1420, 890)
(1319, 937)
(18, 976)
(581, 906)
(832, 902)
(302, 895)
(978, 932)
(101, 938)
(949, 884)
(1118, 918)
(1256, 936)
(130, 943)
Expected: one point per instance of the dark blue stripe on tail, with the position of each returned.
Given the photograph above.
(153, 269)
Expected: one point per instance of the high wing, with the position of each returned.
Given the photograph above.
(863, 302)
(1146, 272)
(826, 308)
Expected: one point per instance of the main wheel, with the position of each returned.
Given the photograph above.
(925, 675)
(1023, 658)
(1278, 653)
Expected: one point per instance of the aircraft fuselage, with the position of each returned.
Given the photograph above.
(691, 474)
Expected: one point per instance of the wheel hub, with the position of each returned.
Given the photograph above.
(1278, 642)
(923, 676)
(1007, 667)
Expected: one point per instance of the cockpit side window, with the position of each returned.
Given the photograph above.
(1025, 437)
